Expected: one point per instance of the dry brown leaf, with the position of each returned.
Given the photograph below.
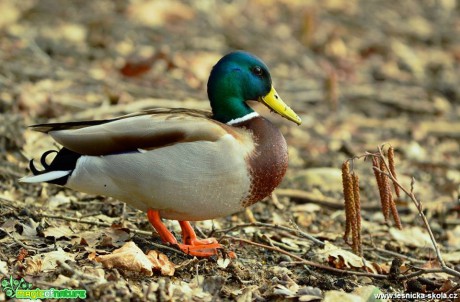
(360, 294)
(114, 237)
(452, 257)
(446, 286)
(282, 290)
(3, 268)
(307, 293)
(104, 237)
(414, 236)
(453, 237)
(47, 261)
(29, 229)
(434, 264)
(92, 256)
(161, 262)
(223, 262)
(64, 281)
(431, 264)
(89, 238)
(57, 201)
(9, 225)
(33, 266)
(158, 13)
(58, 232)
(131, 258)
(341, 258)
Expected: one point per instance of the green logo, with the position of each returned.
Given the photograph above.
(10, 286)
(21, 289)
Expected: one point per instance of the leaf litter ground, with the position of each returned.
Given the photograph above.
(360, 73)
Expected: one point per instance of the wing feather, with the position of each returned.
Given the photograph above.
(146, 130)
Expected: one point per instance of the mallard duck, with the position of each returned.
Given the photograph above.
(180, 164)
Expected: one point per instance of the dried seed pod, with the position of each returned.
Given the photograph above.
(395, 214)
(348, 197)
(391, 164)
(386, 190)
(376, 164)
(356, 229)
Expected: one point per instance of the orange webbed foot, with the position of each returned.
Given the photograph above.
(207, 250)
(197, 247)
(190, 245)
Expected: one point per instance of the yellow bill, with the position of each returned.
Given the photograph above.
(273, 101)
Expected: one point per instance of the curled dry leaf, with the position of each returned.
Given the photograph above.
(33, 266)
(340, 258)
(131, 258)
(161, 262)
(223, 262)
(47, 261)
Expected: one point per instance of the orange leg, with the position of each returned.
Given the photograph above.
(162, 230)
(191, 244)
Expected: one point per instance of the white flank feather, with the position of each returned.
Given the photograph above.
(45, 176)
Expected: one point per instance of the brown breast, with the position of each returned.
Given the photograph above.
(268, 162)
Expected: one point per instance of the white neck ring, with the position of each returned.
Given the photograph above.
(243, 118)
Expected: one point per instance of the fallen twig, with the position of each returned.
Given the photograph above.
(79, 274)
(395, 254)
(80, 220)
(453, 289)
(306, 262)
(331, 203)
(302, 261)
(27, 247)
(421, 271)
(274, 226)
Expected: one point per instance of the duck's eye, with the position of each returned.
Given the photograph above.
(258, 71)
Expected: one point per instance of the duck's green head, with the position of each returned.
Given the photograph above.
(238, 77)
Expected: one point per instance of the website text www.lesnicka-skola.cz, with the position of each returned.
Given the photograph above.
(416, 296)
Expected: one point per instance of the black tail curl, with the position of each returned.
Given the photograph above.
(45, 165)
(64, 160)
